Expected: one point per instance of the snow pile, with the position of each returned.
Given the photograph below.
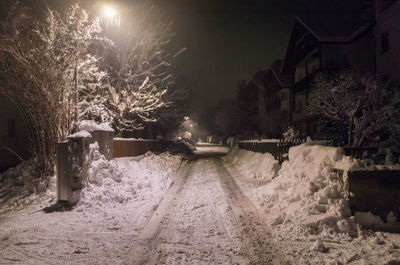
(91, 125)
(18, 183)
(122, 179)
(308, 195)
(253, 165)
(310, 191)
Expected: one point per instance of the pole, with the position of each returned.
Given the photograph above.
(76, 114)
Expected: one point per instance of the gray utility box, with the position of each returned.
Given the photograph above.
(71, 168)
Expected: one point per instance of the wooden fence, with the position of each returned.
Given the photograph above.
(134, 147)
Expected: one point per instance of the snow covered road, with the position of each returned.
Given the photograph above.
(237, 209)
(203, 218)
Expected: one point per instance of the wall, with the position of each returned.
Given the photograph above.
(359, 53)
(134, 147)
(376, 191)
(388, 63)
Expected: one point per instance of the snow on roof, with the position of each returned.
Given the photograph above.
(80, 134)
(91, 125)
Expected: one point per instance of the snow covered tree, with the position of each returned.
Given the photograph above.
(357, 104)
(172, 115)
(140, 69)
(39, 65)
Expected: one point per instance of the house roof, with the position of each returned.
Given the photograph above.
(333, 27)
(258, 77)
(284, 80)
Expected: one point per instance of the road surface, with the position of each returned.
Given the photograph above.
(202, 218)
(205, 218)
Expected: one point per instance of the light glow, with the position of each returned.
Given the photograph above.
(109, 12)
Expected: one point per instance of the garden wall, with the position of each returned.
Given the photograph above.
(125, 147)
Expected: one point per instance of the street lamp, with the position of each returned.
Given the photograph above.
(109, 12)
(111, 16)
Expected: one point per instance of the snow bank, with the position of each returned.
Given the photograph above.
(122, 179)
(20, 183)
(91, 125)
(253, 165)
(307, 195)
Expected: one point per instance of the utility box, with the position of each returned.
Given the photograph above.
(72, 167)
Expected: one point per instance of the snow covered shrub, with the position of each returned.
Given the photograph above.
(21, 181)
(291, 134)
(357, 104)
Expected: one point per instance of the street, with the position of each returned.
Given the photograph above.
(205, 219)
(202, 218)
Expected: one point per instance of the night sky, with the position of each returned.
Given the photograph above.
(229, 40)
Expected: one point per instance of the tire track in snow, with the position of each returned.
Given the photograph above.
(257, 241)
(201, 230)
(149, 238)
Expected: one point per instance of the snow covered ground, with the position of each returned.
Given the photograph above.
(241, 209)
(119, 199)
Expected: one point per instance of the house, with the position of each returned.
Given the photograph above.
(386, 32)
(367, 44)
(319, 46)
(14, 140)
(249, 98)
(260, 102)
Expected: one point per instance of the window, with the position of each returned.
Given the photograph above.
(11, 127)
(385, 42)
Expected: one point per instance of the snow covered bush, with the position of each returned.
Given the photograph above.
(291, 134)
(21, 181)
(54, 73)
(41, 65)
(359, 105)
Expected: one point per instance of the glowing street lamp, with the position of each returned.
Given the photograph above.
(111, 16)
(109, 12)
